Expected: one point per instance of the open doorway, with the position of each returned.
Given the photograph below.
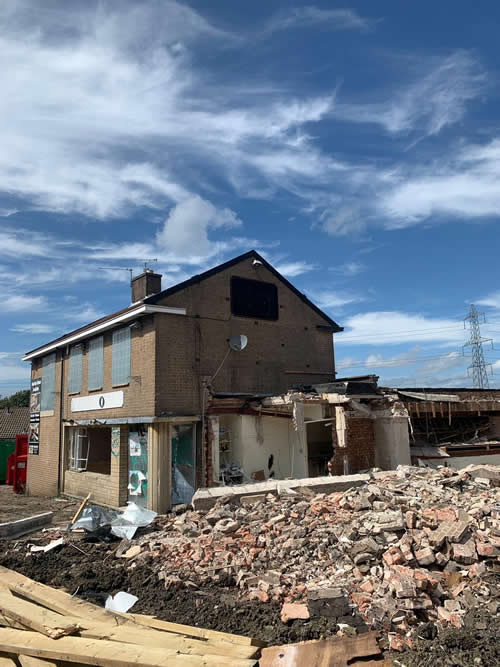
(319, 446)
(183, 442)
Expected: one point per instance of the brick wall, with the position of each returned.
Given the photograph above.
(279, 354)
(42, 472)
(138, 394)
(360, 447)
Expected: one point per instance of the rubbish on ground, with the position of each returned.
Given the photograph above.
(121, 524)
(77, 513)
(49, 546)
(121, 602)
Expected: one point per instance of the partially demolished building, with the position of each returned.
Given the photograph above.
(118, 407)
(227, 378)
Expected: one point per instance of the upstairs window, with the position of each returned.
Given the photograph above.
(254, 298)
(121, 357)
(95, 363)
(48, 382)
(75, 370)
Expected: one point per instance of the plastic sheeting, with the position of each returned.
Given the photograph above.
(123, 524)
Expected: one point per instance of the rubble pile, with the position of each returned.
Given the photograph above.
(412, 546)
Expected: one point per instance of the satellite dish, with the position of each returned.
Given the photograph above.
(238, 343)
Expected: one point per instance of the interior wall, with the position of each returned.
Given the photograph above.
(392, 442)
(459, 462)
(253, 444)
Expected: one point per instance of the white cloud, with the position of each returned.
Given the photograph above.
(348, 269)
(293, 269)
(430, 103)
(12, 373)
(186, 228)
(465, 185)
(304, 17)
(17, 303)
(328, 299)
(120, 117)
(33, 328)
(491, 300)
(444, 363)
(394, 327)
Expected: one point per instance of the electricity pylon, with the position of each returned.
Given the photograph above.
(475, 342)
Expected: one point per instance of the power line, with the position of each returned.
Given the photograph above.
(475, 342)
(395, 333)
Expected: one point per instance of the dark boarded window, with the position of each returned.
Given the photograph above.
(253, 298)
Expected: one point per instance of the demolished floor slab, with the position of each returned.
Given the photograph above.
(204, 499)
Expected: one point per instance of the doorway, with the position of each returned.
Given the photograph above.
(138, 465)
(183, 441)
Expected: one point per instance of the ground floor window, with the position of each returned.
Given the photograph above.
(89, 449)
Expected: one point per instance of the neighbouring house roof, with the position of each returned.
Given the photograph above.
(149, 305)
(232, 262)
(13, 421)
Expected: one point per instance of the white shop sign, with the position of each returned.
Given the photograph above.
(113, 399)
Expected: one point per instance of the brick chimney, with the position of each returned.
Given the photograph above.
(145, 284)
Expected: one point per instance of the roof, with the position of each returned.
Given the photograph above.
(150, 304)
(232, 262)
(13, 421)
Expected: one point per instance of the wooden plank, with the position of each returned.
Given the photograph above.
(103, 653)
(31, 661)
(5, 661)
(34, 617)
(191, 631)
(78, 512)
(144, 636)
(323, 652)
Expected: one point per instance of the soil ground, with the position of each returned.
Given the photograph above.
(92, 572)
(17, 506)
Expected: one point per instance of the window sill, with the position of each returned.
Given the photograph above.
(99, 389)
(73, 393)
(46, 413)
(122, 384)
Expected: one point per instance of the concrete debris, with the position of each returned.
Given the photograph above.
(408, 547)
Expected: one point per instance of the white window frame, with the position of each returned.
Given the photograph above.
(79, 445)
(96, 347)
(75, 369)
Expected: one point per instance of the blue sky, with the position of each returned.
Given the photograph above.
(356, 146)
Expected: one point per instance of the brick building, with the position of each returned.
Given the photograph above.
(123, 406)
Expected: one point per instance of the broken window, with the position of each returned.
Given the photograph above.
(90, 450)
(78, 449)
(254, 298)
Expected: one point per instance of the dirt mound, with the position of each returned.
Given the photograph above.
(96, 574)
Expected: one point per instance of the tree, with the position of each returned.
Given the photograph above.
(21, 399)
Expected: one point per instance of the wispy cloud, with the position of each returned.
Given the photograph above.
(17, 303)
(329, 19)
(33, 328)
(331, 299)
(463, 185)
(395, 327)
(428, 104)
(293, 269)
(348, 269)
(491, 300)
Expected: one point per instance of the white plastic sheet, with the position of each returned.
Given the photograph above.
(121, 602)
